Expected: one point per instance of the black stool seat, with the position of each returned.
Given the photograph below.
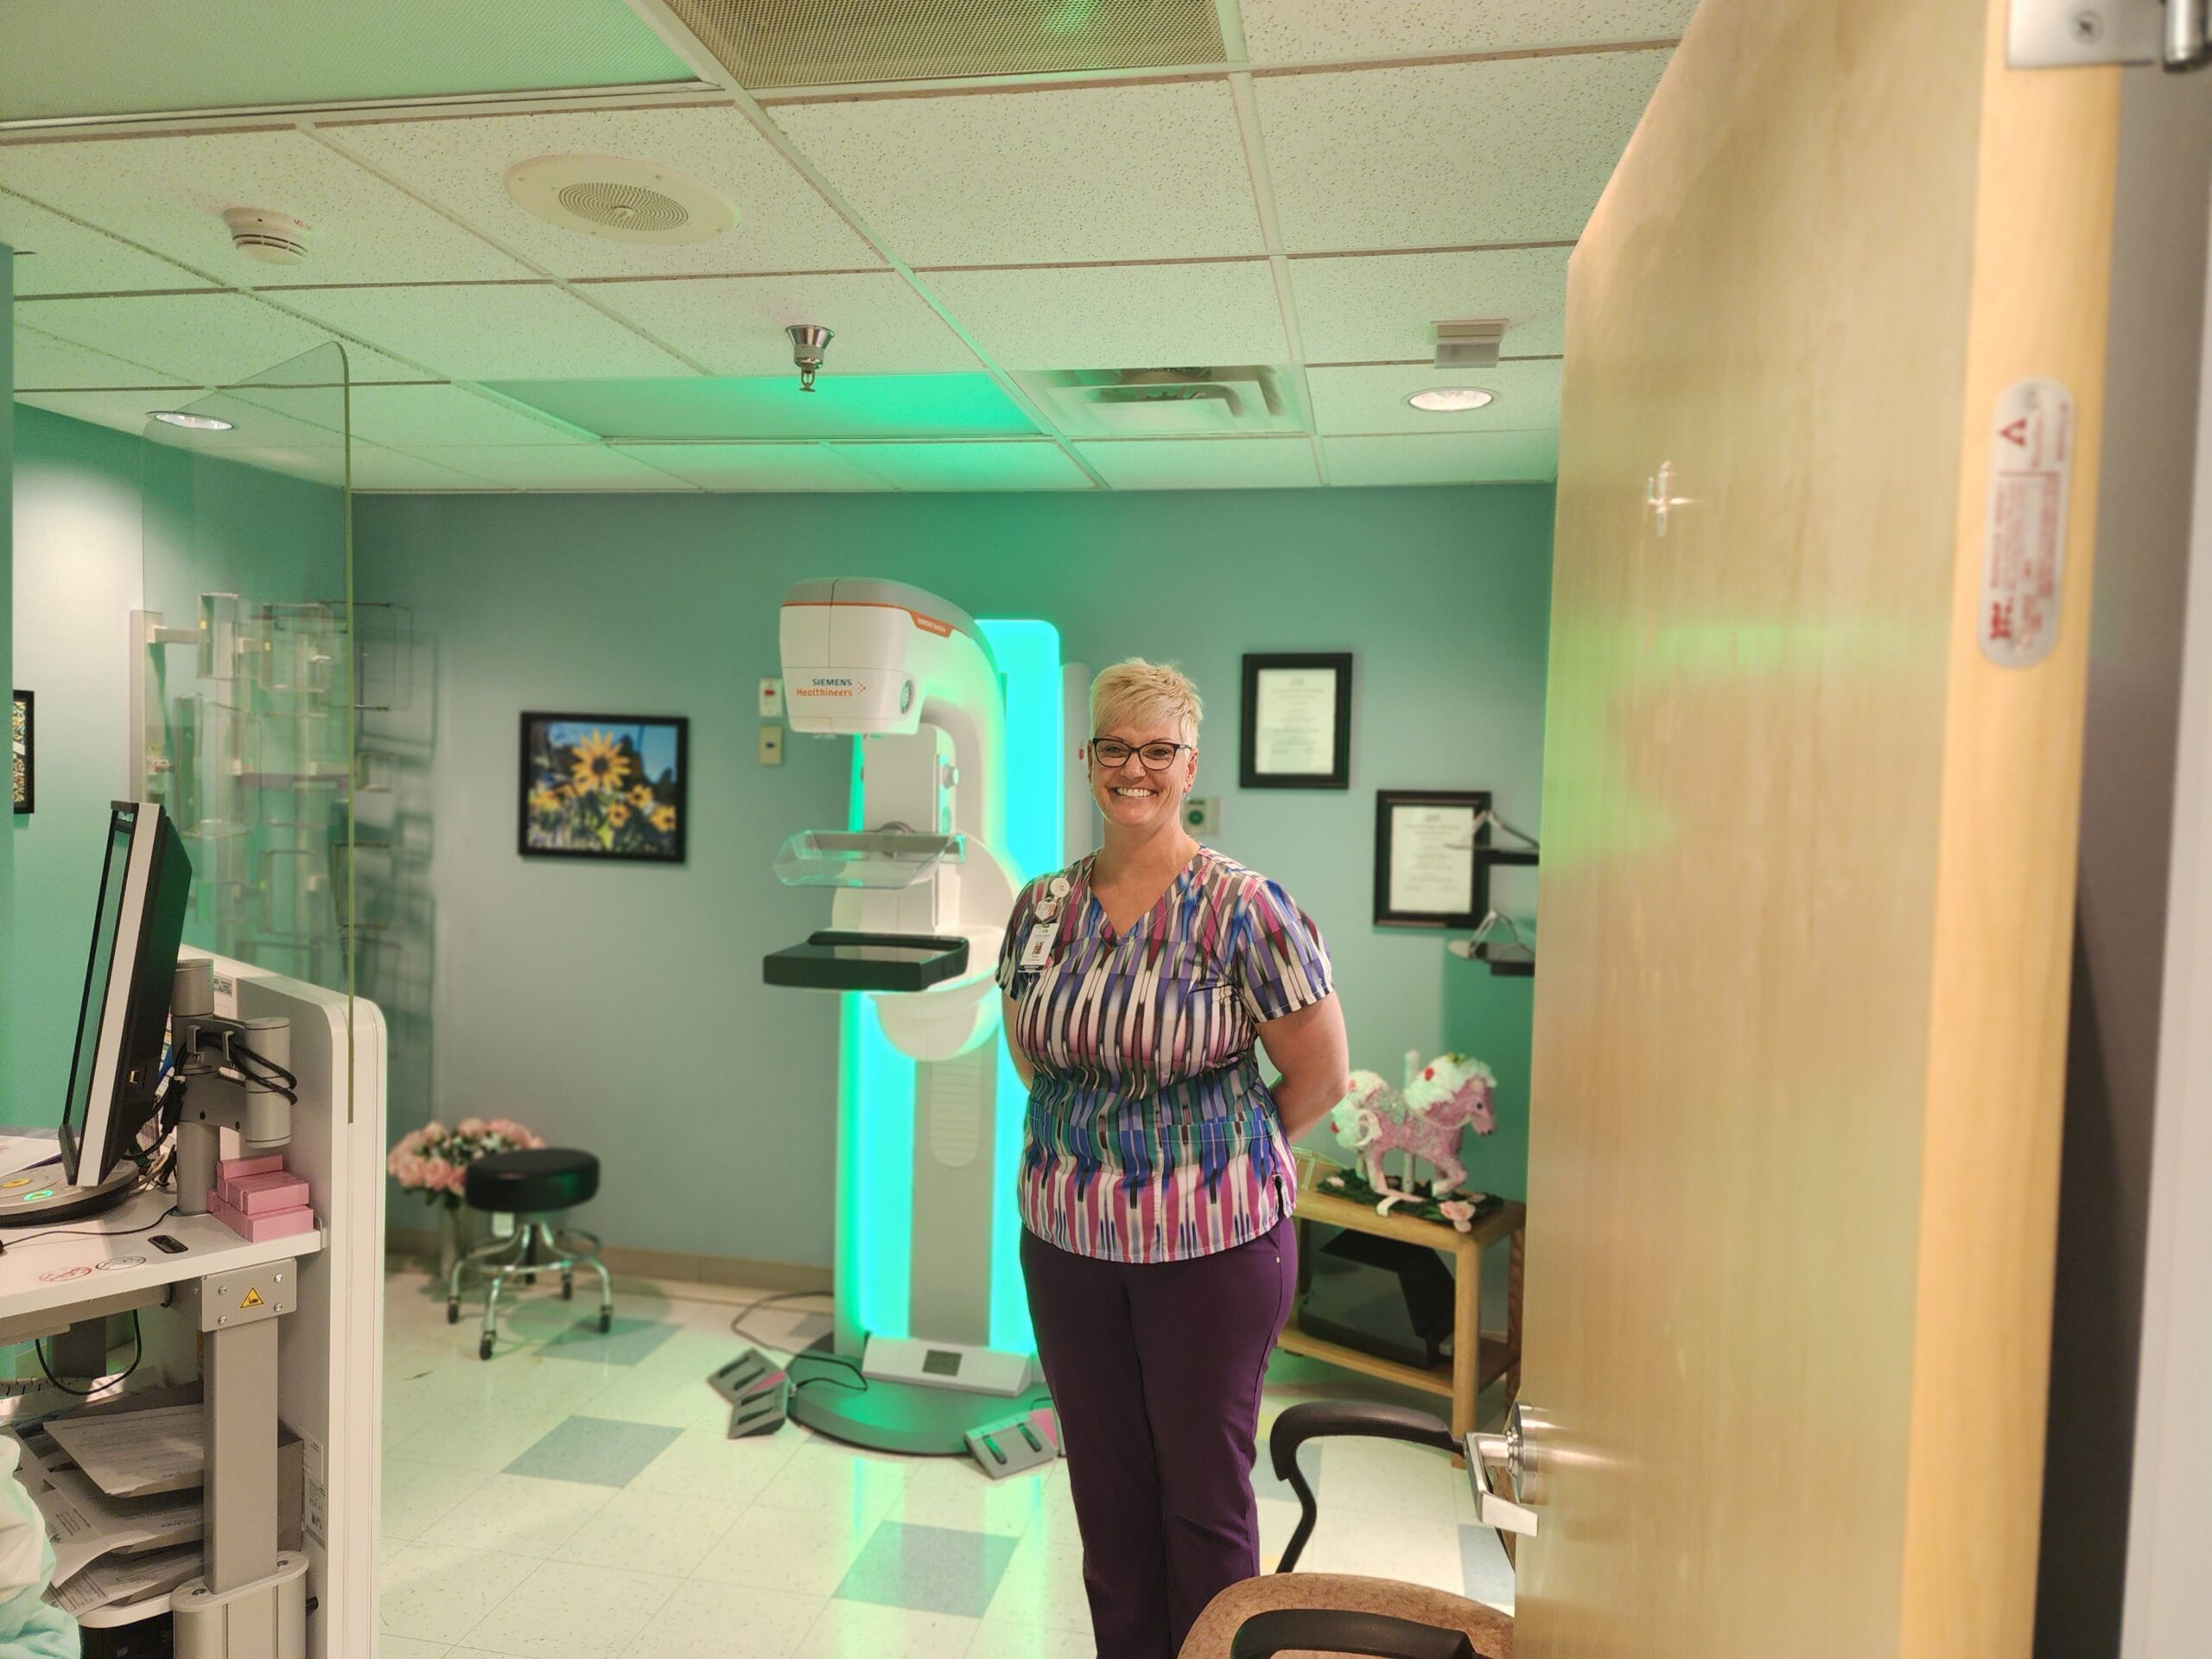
(538, 1182)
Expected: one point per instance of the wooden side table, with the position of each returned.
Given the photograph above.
(1477, 1360)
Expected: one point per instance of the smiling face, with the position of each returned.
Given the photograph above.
(1131, 796)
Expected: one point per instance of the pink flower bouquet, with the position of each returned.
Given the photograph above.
(433, 1159)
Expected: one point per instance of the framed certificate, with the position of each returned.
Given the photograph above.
(1427, 873)
(1297, 721)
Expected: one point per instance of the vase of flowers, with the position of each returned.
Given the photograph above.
(434, 1161)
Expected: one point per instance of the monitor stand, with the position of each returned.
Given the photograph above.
(47, 1198)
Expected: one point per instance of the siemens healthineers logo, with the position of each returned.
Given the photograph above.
(830, 688)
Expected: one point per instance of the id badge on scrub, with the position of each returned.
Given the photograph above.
(1037, 951)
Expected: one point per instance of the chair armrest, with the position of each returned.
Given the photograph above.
(1329, 1630)
(1315, 1419)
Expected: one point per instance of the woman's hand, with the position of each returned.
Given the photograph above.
(1309, 1046)
(1022, 1068)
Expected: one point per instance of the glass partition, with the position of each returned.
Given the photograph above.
(245, 705)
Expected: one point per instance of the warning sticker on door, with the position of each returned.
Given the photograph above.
(2023, 546)
(252, 1298)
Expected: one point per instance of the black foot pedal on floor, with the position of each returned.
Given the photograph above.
(1018, 1443)
(759, 1391)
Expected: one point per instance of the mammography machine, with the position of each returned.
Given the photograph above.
(920, 895)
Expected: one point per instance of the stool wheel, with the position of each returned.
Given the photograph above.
(453, 1311)
(484, 1348)
(606, 1320)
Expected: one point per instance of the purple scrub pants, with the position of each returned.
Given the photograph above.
(1155, 1372)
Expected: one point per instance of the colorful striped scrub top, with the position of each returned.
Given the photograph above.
(1150, 1136)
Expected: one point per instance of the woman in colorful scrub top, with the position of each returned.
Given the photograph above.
(1156, 1180)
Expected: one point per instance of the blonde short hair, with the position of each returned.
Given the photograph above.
(1140, 692)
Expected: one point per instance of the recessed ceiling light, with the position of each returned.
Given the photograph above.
(1442, 400)
(195, 423)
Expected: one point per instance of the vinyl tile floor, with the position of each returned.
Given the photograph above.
(576, 1498)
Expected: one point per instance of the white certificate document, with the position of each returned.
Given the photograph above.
(1294, 730)
(1432, 859)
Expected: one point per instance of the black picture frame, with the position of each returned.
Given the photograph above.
(1250, 775)
(23, 750)
(1388, 803)
(559, 814)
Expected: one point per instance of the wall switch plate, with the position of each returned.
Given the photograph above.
(1202, 815)
(771, 699)
(772, 746)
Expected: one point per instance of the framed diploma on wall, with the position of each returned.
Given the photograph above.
(1297, 721)
(1426, 871)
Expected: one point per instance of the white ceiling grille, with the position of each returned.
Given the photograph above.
(1243, 401)
(786, 43)
(628, 205)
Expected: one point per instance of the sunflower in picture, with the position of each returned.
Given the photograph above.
(545, 799)
(599, 764)
(642, 798)
(617, 814)
(665, 819)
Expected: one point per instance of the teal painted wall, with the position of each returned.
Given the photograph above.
(621, 1009)
(85, 496)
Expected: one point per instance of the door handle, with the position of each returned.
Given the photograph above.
(1492, 1508)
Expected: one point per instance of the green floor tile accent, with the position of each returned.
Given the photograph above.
(595, 1452)
(928, 1570)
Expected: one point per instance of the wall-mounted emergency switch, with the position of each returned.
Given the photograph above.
(772, 746)
(771, 699)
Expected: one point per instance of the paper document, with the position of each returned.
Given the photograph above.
(125, 1579)
(1432, 859)
(137, 1454)
(1295, 729)
(83, 1525)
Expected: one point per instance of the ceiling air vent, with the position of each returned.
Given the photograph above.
(624, 201)
(786, 43)
(1165, 402)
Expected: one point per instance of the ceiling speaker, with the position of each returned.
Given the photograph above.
(786, 43)
(624, 201)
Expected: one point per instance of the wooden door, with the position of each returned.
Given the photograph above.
(1809, 847)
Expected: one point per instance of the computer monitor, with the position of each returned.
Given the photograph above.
(145, 887)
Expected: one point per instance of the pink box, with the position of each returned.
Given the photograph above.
(275, 1223)
(235, 1169)
(258, 1195)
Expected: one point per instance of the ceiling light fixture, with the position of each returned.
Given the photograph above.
(193, 422)
(1444, 400)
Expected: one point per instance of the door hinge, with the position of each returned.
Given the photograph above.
(2066, 33)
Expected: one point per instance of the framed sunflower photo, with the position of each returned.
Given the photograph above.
(605, 787)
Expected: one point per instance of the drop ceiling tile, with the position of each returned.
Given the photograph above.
(498, 332)
(424, 417)
(783, 223)
(1203, 464)
(125, 412)
(211, 339)
(45, 362)
(169, 193)
(54, 255)
(789, 466)
(1119, 317)
(735, 325)
(1515, 150)
(1038, 466)
(1024, 178)
(1373, 400)
(549, 467)
(1380, 306)
(1318, 31)
(375, 467)
(1450, 458)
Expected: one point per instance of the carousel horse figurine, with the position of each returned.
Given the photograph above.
(1424, 1120)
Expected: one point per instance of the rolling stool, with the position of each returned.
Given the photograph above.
(532, 1186)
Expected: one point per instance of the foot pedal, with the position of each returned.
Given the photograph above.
(1017, 1444)
(759, 1391)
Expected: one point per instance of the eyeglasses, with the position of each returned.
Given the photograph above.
(1112, 754)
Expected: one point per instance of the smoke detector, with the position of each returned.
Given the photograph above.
(273, 238)
(623, 201)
